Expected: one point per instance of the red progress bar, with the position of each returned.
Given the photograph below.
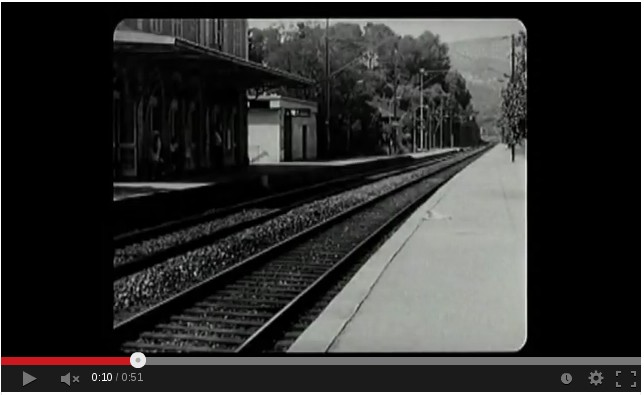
(44, 361)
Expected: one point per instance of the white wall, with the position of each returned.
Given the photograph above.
(263, 136)
(266, 125)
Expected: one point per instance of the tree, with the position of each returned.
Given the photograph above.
(372, 61)
(514, 110)
(264, 42)
(256, 45)
(456, 86)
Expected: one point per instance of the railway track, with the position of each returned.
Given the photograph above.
(251, 305)
(137, 251)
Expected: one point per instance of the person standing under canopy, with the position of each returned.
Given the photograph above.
(155, 155)
(175, 155)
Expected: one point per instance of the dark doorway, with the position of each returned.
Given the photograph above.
(116, 131)
(305, 131)
(288, 136)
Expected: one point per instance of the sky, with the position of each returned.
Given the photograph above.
(449, 30)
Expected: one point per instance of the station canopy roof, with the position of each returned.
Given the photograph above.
(170, 48)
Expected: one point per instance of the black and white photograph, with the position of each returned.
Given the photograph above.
(319, 186)
(319, 199)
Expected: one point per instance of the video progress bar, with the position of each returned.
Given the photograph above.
(392, 360)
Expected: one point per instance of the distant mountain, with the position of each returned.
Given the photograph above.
(482, 62)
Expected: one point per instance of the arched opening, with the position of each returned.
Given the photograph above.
(128, 143)
(232, 133)
(225, 123)
(188, 135)
(176, 142)
(174, 122)
(216, 145)
(207, 162)
(117, 119)
(151, 125)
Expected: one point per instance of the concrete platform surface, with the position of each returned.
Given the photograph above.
(350, 161)
(128, 190)
(451, 279)
(431, 152)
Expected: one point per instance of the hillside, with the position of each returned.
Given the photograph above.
(482, 62)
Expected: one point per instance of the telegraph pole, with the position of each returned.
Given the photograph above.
(422, 113)
(430, 114)
(395, 96)
(327, 88)
(451, 129)
(512, 131)
(512, 75)
(449, 121)
(440, 137)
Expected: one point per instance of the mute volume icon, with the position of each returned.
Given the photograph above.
(65, 379)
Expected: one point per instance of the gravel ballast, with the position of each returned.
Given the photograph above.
(148, 247)
(142, 290)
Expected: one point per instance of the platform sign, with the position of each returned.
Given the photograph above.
(299, 112)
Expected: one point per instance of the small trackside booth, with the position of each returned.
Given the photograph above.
(193, 96)
(281, 129)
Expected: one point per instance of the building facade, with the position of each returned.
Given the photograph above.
(281, 129)
(190, 95)
(226, 35)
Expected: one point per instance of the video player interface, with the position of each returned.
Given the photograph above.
(294, 199)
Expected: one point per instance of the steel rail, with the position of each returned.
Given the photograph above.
(135, 324)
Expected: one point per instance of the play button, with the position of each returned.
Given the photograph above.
(27, 378)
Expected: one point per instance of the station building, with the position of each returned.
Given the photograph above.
(281, 129)
(185, 79)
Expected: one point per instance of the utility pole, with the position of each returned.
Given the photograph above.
(449, 121)
(327, 94)
(512, 130)
(512, 75)
(422, 113)
(430, 114)
(395, 96)
(451, 129)
(440, 137)
(349, 136)
(414, 132)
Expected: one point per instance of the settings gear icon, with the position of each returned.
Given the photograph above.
(595, 378)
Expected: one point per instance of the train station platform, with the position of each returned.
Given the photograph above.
(452, 278)
(127, 190)
(144, 204)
